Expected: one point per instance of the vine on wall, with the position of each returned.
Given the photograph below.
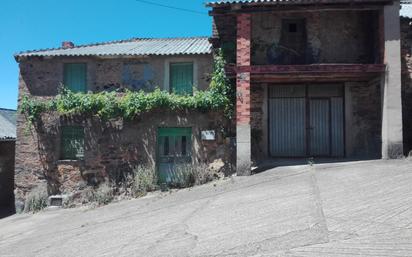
(106, 105)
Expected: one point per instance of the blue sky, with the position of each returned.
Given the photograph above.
(35, 24)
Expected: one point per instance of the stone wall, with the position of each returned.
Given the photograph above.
(43, 76)
(224, 36)
(350, 32)
(258, 121)
(363, 122)
(111, 147)
(6, 176)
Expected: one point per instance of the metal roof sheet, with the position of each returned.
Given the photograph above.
(7, 124)
(136, 46)
(224, 2)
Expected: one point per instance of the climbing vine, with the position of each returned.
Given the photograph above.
(129, 104)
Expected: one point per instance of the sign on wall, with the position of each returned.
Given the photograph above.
(208, 135)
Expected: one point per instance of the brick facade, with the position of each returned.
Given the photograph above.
(243, 59)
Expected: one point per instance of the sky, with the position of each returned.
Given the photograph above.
(39, 24)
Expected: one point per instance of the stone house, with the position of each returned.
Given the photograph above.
(7, 153)
(65, 152)
(315, 78)
(312, 79)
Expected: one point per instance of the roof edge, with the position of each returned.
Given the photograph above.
(7, 109)
(19, 54)
(224, 3)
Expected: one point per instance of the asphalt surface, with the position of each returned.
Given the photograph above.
(341, 209)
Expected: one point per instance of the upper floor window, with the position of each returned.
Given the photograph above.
(293, 41)
(181, 78)
(75, 77)
(72, 143)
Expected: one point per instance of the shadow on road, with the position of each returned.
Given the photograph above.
(272, 163)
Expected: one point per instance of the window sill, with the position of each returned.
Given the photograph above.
(68, 162)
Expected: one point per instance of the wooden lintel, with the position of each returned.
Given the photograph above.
(310, 78)
(312, 68)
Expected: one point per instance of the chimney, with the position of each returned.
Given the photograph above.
(67, 44)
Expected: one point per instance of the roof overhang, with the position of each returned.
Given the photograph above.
(132, 48)
(7, 140)
(224, 3)
(242, 6)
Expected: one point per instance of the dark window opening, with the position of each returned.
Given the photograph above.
(293, 28)
(166, 146)
(184, 145)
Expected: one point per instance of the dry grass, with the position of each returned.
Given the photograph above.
(37, 199)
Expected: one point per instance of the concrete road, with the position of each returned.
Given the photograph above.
(344, 209)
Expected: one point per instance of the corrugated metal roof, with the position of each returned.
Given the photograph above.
(7, 124)
(223, 2)
(136, 46)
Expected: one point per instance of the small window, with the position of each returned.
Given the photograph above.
(181, 78)
(75, 77)
(72, 143)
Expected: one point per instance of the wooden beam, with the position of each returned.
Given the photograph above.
(312, 68)
(295, 8)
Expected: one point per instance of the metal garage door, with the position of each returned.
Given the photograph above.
(306, 120)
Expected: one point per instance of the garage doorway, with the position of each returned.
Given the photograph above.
(306, 120)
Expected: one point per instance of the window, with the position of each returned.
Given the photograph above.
(174, 151)
(72, 143)
(181, 78)
(75, 77)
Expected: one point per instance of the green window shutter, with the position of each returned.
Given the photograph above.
(72, 143)
(75, 77)
(181, 78)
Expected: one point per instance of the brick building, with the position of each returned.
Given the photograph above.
(312, 78)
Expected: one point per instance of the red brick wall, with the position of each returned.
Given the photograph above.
(243, 59)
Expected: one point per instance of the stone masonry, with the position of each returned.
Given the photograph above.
(114, 147)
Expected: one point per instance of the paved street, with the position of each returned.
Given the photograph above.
(342, 209)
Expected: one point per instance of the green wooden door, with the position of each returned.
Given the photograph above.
(75, 77)
(181, 78)
(174, 150)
